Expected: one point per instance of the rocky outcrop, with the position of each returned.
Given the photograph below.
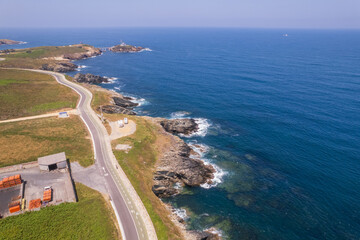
(175, 168)
(90, 78)
(9, 42)
(59, 67)
(90, 52)
(124, 102)
(124, 48)
(198, 235)
(184, 126)
(111, 109)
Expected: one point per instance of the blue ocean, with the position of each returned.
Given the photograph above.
(279, 113)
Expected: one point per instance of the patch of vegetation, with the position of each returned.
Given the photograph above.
(90, 218)
(139, 165)
(25, 141)
(35, 57)
(26, 93)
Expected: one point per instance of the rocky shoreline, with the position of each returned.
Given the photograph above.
(125, 48)
(9, 42)
(63, 62)
(177, 165)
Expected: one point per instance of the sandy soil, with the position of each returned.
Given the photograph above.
(117, 132)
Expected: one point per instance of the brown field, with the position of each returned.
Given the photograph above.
(25, 141)
(25, 93)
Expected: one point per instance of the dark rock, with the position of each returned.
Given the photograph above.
(59, 67)
(125, 48)
(122, 102)
(180, 126)
(90, 78)
(111, 109)
(176, 167)
(198, 235)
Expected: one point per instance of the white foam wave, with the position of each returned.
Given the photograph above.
(117, 88)
(214, 231)
(140, 101)
(218, 175)
(203, 125)
(110, 80)
(179, 114)
(181, 213)
(23, 42)
(201, 149)
(146, 50)
(81, 67)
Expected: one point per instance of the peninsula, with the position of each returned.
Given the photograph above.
(9, 42)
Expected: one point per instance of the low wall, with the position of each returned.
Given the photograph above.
(14, 168)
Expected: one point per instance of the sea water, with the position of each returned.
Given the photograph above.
(279, 114)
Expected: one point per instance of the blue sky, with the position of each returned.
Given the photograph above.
(183, 13)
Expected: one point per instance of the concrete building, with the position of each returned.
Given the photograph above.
(52, 162)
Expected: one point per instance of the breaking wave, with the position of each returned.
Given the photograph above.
(200, 150)
(179, 114)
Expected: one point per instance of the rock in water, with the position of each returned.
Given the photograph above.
(176, 166)
(184, 126)
(90, 78)
(111, 109)
(125, 103)
(125, 48)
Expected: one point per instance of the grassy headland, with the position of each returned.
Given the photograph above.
(25, 141)
(90, 218)
(34, 58)
(26, 93)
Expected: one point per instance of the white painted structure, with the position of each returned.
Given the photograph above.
(121, 123)
(63, 115)
(126, 121)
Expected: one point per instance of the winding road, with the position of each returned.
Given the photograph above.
(134, 221)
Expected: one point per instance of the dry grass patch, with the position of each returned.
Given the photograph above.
(25, 93)
(25, 141)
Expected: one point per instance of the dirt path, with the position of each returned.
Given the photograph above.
(73, 111)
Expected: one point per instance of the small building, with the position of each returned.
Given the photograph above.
(63, 115)
(52, 162)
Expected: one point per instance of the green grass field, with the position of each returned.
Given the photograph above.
(90, 218)
(138, 165)
(25, 141)
(26, 93)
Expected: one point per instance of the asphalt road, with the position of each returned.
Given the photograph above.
(131, 224)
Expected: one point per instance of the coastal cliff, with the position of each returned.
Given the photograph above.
(90, 52)
(175, 167)
(9, 42)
